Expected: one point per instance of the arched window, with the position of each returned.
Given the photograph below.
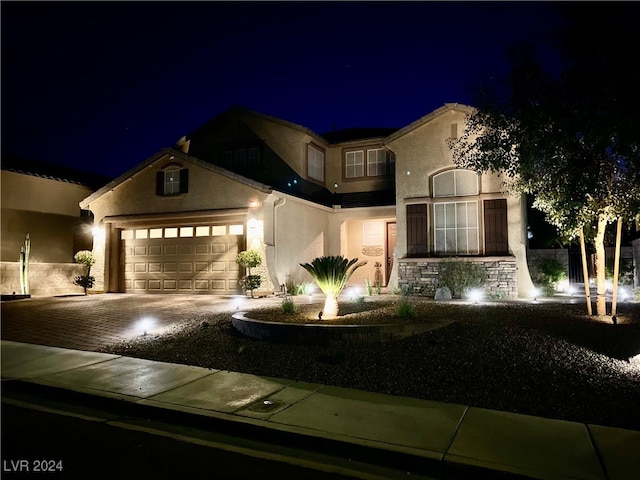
(455, 183)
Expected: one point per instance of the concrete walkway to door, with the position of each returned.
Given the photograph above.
(94, 321)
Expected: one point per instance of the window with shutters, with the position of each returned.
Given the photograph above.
(172, 180)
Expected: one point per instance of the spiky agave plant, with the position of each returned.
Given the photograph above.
(331, 274)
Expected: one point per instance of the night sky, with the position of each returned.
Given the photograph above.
(102, 86)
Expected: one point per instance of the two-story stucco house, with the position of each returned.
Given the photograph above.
(175, 222)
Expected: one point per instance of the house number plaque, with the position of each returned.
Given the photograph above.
(372, 251)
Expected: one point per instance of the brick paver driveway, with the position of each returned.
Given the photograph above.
(93, 321)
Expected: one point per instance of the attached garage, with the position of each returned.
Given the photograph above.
(182, 259)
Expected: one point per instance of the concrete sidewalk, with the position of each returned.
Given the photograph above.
(424, 438)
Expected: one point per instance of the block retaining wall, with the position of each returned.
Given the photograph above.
(313, 334)
(45, 279)
(420, 275)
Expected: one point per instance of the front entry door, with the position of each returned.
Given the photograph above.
(391, 246)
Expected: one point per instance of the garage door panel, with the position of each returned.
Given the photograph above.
(197, 264)
(219, 248)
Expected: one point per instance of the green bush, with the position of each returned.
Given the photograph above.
(368, 287)
(250, 282)
(88, 259)
(460, 277)
(636, 294)
(625, 272)
(288, 306)
(249, 259)
(550, 272)
(405, 309)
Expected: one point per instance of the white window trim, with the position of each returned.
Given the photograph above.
(171, 185)
(315, 163)
(467, 228)
(354, 163)
(377, 162)
(455, 183)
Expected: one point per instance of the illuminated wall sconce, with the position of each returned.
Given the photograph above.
(335, 185)
(408, 173)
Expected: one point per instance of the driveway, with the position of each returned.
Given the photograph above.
(93, 321)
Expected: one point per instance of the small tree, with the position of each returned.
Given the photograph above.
(249, 259)
(332, 274)
(86, 258)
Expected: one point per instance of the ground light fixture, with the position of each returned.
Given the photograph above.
(475, 295)
(534, 294)
(145, 324)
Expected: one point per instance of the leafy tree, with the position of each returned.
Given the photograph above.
(88, 259)
(570, 138)
(332, 274)
(249, 259)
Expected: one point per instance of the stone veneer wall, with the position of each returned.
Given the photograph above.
(45, 279)
(420, 275)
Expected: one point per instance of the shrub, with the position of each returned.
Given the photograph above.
(249, 259)
(288, 306)
(368, 287)
(625, 272)
(88, 259)
(331, 274)
(405, 309)
(461, 276)
(550, 272)
(303, 288)
(636, 294)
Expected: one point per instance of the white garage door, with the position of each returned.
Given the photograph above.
(184, 259)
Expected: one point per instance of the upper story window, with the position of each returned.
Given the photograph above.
(315, 163)
(241, 159)
(455, 183)
(376, 162)
(172, 180)
(379, 162)
(354, 164)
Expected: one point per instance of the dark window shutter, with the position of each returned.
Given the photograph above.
(417, 230)
(160, 183)
(184, 180)
(496, 238)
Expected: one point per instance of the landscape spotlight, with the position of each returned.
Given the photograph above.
(475, 295)
(145, 324)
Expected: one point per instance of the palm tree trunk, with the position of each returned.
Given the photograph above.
(330, 307)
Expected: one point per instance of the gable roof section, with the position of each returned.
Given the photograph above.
(35, 168)
(178, 155)
(447, 107)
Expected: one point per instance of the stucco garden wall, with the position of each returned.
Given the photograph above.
(45, 279)
(420, 276)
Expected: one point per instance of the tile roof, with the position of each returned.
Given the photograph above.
(36, 168)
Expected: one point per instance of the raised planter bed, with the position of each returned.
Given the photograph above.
(314, 334)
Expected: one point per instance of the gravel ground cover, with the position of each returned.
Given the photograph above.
(545, 359)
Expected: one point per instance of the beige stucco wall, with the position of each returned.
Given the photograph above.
(423, 152)
(46, 209)
(300, 234)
